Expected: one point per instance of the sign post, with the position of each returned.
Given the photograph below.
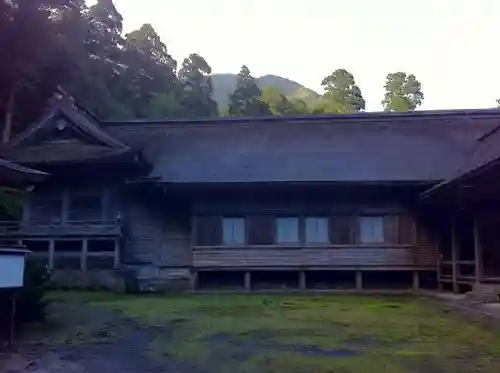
(12, 263)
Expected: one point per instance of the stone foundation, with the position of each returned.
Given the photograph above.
(485, 293)
(92, 279)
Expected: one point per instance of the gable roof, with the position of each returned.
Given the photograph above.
(368, 147)
(12, 173)
(97, 144)
(485, 154)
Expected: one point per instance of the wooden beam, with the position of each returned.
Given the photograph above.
(117, 253)
(359, 280)
(454, 258)
(194, 280)
(65, 206)
(248, 281)
(51, 253)
(302, 280)
(416, 280)
(84, 254)
(478, 254)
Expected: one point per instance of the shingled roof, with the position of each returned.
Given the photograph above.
(91, 143)
(485, 154)
(371, 147)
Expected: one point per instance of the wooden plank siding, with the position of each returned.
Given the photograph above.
(403, 246)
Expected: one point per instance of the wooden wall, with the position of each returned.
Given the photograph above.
(406, 242)
(155, 232)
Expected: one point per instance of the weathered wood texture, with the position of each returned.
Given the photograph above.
(155, 234)
(406, 244)
(307, 257)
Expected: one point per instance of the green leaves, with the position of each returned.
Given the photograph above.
(402, 92)
(246, 98)
(342, 95)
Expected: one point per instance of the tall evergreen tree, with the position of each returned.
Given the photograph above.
(402, 92)
(196, 82)
(246, 98)
(342, 95)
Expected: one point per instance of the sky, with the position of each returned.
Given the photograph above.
(450, 45)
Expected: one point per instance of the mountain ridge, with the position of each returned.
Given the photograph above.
(225, 83)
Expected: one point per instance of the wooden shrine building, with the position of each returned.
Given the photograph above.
(360, 200)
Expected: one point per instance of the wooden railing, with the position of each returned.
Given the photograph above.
(67, 228)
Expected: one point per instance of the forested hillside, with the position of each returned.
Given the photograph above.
(53, 44)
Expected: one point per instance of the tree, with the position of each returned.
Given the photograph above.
(402, 92)
(35, 63)
(149, 70)
(246, 98)
(342, 95)
(279, 104)
(197, 90)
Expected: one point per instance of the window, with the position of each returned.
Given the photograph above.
(371, 229)
(45, 207)
(85, 206)
(287, 230)
(233, 231)
(317, 230)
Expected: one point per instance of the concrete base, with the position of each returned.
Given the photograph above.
(485, 293)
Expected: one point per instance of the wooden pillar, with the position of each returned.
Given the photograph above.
(478, 254)
(359, 280)
(302, 280)
(454, 258)
(117, 253)
(65, 206)
(248, 281)
(194, 280)
(416, 280)
(52, 247)
(84, 253)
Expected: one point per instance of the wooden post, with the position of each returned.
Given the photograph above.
(454, 259)
(12, 321)
(416, 280)
(248, 281)
(302, 280)
(65, 206)
(84, 253)
(359, 280)
(194, 280)
(52, 248)
(478, 254)
(117, 253)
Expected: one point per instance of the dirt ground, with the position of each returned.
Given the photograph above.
(100, 333)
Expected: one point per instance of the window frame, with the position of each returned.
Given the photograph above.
(326, 240)
(276, 231)
(245, 231)
(380, 220)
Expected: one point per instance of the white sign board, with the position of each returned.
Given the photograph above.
(11, 270)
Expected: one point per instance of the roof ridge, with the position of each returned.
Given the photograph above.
(364, 117)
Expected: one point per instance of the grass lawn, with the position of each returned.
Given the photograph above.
(306, 334)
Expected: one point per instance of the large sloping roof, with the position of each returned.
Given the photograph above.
(12, 173)
(91, 143)
(410, 147)
(485, 153)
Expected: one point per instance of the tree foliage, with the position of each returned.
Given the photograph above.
(342, 95)
(402, 92)
(246, 98)
(197, 89)
(279, 104)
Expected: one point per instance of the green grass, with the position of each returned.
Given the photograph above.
(256, 333)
